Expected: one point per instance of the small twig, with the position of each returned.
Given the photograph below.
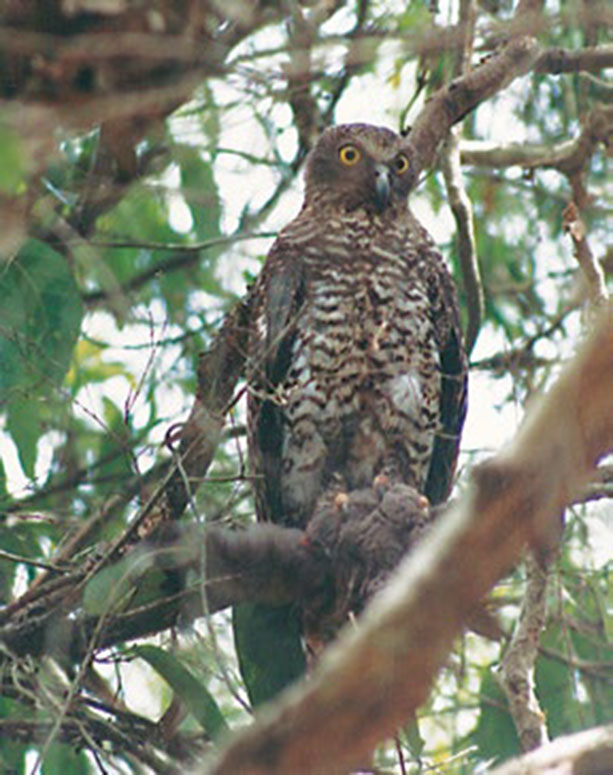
(567, 157)
(593, 273)
(459, 201)
(467, 250)
(517, 669)
(561, 60)
(10, 557)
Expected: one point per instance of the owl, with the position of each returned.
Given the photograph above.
(356, 368)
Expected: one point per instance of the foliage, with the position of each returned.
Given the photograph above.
(124, 276)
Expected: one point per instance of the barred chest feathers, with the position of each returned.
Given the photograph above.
(361, 394)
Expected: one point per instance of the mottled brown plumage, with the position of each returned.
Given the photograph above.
(356, 366)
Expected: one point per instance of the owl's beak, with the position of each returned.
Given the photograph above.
(382, 187)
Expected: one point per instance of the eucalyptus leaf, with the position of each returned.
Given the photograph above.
(196, 697)
(40, 319)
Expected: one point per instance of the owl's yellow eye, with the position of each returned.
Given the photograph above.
(401, 164)
(349, 155)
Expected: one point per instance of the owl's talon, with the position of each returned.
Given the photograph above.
(341, 500)
(423, 502)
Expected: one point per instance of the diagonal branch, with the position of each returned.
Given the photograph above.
(460, 203)
(588, 753)
(374, 677)
(455, 100)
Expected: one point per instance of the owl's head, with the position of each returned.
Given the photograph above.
(359, 165)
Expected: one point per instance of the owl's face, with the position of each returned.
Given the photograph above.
(359, 165)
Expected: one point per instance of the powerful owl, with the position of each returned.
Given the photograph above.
(356, 365)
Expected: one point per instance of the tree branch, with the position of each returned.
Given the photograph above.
(461, 205)
(567, 157)
(585, 753)
(517, 669)
(593, 272)
(455, 100)
(329, 571)
(561, 60)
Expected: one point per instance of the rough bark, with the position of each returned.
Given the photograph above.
(585, 753)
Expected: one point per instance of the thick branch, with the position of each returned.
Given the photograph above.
(586, 753)
(375, 676)
(455, 100)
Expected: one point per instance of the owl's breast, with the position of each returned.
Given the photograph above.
(364, 371)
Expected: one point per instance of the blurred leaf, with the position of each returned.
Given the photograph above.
(114, 587)
(13, 161)
(24, 424)
(4, 493)
(20, 540)
(555, 686)
(269, 649)
(200, 191)
(40, 319)
(495, 733)
(12, 753)
(62, 759)
(413, 737)
(193, 693)
(89, 367)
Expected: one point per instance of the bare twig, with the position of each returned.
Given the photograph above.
(592, 269)
(17, 558)
(561, 60)
(461, 205)
(517, 668)
(183, 256)
(568, 157)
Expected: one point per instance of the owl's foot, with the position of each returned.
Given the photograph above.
(341, 500)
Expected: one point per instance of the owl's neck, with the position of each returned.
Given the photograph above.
(326, 211)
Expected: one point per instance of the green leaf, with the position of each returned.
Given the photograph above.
(412, 735)
(115, 586)
(40, 319)
(555, 687)
(196, 697)
(495, 733)
(268, 647)
(62, 759)
(5, 498)
(13, 161)
(24, 424)
(12, 752)
(200, 191)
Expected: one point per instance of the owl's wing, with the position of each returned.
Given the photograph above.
(283, 294)
(453, 390)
